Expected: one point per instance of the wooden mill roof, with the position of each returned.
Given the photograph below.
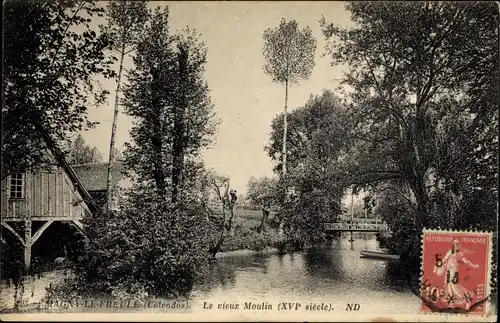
(94, 176)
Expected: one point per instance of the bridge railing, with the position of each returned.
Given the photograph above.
(356, 226)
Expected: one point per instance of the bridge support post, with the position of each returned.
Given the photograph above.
(27, 244)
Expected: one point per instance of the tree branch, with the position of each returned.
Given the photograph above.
(387, 177)
(362, 178)
(382, 96)
(80, 5)
(398, 192)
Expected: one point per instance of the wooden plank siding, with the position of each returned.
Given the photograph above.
(67, 198)
(48, 194)
(37, 191)
(59, 194)
(4, 199)
(44, 198)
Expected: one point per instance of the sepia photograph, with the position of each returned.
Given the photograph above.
(249, 161)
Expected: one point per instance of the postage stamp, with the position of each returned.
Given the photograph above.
(456, 273)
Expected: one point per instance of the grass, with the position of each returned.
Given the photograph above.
(247, 218)
(245, 235)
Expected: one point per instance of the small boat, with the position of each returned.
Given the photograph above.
(377, 254)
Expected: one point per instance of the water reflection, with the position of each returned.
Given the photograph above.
(331, 272)
(336, 265)
(217, 275)
(322, 263)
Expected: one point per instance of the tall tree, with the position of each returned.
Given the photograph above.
(150, 244)
(421, 77)
(80, 153)
(126, 20)
(49, 76)
(424, 110)
(318, 158)
(193, 119)
(169, 99)
(289, 54)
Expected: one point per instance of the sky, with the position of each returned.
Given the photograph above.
(244, 97)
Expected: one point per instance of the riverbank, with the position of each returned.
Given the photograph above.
(314, 275)
(247, 238)
(35, 287)
(34, 290)
(247, 252)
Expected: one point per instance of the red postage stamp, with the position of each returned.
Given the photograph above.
(456, 271)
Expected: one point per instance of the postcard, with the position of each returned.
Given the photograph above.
(250, 161)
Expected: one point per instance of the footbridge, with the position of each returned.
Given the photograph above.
(356, 227)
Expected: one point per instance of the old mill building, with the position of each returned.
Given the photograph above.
(57, 192)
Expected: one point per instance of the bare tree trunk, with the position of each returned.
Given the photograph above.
(421, 199)
(283, 169)
(230, 221)
(224, 228)
(109, 185)
(285, 126)
(216, 248)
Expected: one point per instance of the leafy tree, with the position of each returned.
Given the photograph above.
(117, 155)
(260, 191)
(166, 94)
(423, 107)
(193, 120)
(126, 20)
(48, 76)
(80, 153)
(155, 244)
(318, 158)
(147, 247)
(394, 205)
(263, 192)
(289, 55)
(420, 77)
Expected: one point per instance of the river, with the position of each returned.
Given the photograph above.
(332, 274)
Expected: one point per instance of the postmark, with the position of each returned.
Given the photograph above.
(456, 270)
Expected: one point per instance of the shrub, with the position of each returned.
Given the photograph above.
(150, 247)
(11, 259)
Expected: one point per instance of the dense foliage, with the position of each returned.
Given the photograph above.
(263, 193)
(80, 153)
(423, 109)
(169, 100)
(311, 191)
(49, 76)
(156, 242)
(148, 248)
